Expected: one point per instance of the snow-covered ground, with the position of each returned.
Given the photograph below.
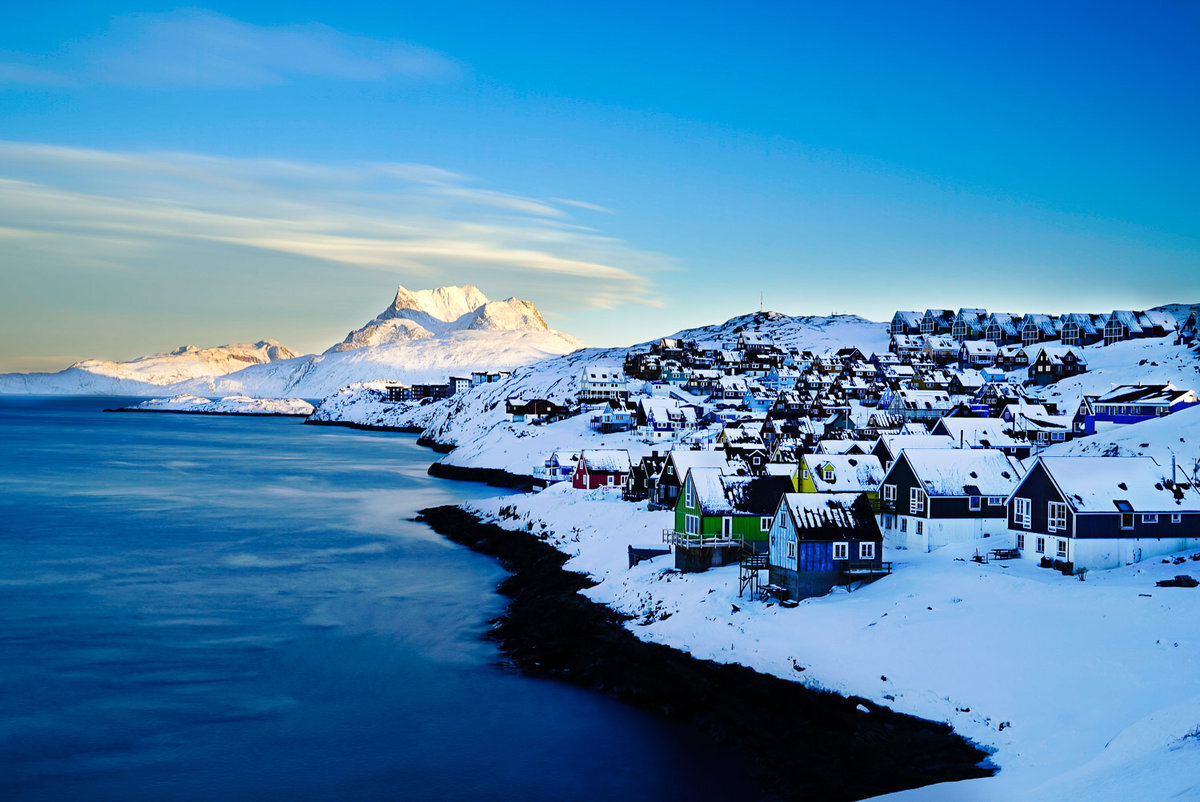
(230, 405)
(1083, 689)
(1155, 360)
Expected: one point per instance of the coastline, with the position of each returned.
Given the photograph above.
(782, 729)
(217, 414)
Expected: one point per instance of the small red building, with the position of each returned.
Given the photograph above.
(601, 467)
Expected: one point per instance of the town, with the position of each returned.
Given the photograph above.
(808, 468)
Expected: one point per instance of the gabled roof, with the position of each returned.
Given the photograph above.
(683, 460)
(963, 472)
(718, 493)
(977, 432)
(1142, 394)
(1106, 484)
(605, 460)
(831, 516)
(851, 474)
(910, 318)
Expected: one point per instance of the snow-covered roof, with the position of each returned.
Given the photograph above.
(685, 460)
(1097, 484)
(1055, 353)
(1143, 394)
(977, 432)
(896, 443)
(924, 399)
(851, 474)
(606, 460)
(962, 472)
(981, 348)
(832, 514)
(910, 318)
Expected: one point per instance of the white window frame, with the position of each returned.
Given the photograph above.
(889, 493)
(995, 501)
(920, 527)
(691, 524)
(1149, 517)
(1021, 541)
(1061, 550)
(866, 550)
(1121, 523)
(726, 525)
(1040, 545)
(1056, 516)
(688, 497)
(764, 522)
(827, 474)
(842, 549)
(1176, 518)
(974, 503)
(791, 549)
(903, 524)
(916, 500)
(1023, 512)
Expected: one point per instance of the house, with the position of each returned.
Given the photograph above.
(395, 392)
(937, 321)
(719, 517)
(940, 350)
(459, 384)
(1036, 328)
(906, 346)
(664, 418)
(888, 448)
(1001, 328)
(1122, 324)
(674, 470)
(1102, 512)
(479, 377)
(1053, 363)
(429, 392)
(1012, 357)
(966, 382)
(558, 467)
(977, 354)
(968, 324)
(639, 485)
(840, 473)
(615, 416)
(820, 540)
(920, 405)
(603, 383)
(982, 433)
(1080, 328)
(1190, 329)
(533, 410)
(933, 497)
(1131, 403)
(601, 468)
(905, 323)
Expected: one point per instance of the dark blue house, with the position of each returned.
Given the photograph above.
(1103, 512)
(820, 540)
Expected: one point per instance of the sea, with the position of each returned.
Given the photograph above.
(227, 608)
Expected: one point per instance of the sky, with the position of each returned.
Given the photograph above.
(234, 172)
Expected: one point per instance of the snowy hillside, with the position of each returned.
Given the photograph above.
(810, 333)
(423, 337)
(1175, 435)
(1149, 361)
(98, 376)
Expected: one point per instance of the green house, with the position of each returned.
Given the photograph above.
(719, 517)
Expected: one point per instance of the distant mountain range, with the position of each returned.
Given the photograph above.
(423, 336)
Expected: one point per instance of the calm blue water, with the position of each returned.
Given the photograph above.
(201, 607)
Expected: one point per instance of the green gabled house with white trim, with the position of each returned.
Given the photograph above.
(719, 517)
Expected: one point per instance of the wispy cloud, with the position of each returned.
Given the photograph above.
(94, 209)
(203, 49)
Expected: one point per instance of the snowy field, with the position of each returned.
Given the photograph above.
(1082, 689)
(230, 405)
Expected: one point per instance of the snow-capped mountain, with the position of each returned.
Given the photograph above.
(432, 313)
(103, 377)
(423, 336)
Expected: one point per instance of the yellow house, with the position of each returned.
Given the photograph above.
(840, 473)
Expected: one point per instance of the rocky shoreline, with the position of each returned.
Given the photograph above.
(788, 739)
(496, 477)
(366, 427)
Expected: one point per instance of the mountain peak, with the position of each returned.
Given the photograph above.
(446, 304)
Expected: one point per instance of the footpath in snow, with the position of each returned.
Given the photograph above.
(1082, 689)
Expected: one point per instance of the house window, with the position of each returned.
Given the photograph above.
(841, 551)
(804, 473)
(1062, 549)
(1057, 435)
(866, 551)
(1021, 513)
(1021, 542)
(916, 500)
(1057, 516)
(791, 550)
(764, 523)
(691, 524)
(920, 527)
(995, 501)
(1149, 517)
(1176, 517)
(1127, 520)
(827, 474)
(903, 524)
(889, 493)
(1040, 545)
(974, 503)
(687, 496)
(726, 526)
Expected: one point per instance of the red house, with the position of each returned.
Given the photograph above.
(601, 467)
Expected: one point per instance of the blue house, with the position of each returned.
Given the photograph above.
(1133, 403)
(1102, 512)
(821, 540)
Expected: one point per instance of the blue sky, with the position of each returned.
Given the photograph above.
(175, 175)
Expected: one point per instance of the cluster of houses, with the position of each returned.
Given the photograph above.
(1005, 329)
(396, 392)
(806, 464)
